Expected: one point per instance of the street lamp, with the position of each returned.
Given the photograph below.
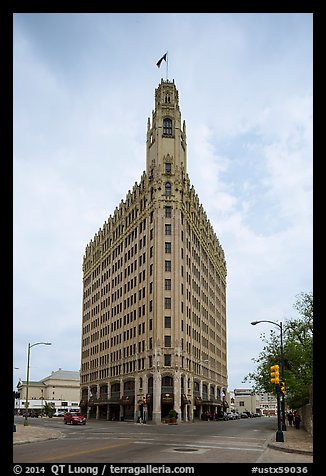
(27, 378)
(279, 325)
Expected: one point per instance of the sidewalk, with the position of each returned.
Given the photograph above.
(29, 434)
(295, 441)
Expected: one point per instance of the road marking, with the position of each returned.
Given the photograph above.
(63, 456)
(215, 447)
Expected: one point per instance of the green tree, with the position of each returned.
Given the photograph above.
(298, 355)
(48, 409)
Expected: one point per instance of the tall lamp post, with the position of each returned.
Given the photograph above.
(279, 325)
(27, 376)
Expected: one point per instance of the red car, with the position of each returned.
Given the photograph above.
(74, 418)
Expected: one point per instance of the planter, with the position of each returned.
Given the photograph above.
(172, 421)
(172, 417)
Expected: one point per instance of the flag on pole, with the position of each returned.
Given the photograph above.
(158, 64)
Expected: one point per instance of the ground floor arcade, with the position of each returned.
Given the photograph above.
(151, 397)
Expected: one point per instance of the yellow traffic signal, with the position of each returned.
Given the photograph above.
(275, 374)
(283, 387)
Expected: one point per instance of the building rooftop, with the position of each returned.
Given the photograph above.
(63, 375)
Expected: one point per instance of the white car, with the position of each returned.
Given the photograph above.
(231, 415)
(59, 413)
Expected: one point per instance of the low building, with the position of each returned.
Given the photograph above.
(61, 388)
(247, 400)
(268, 403)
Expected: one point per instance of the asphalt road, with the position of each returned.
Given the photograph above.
(238, 441)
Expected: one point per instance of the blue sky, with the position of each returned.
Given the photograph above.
(83, 89)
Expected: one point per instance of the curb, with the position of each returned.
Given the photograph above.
(288, 449)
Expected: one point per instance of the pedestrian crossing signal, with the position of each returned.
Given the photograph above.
(275, 374)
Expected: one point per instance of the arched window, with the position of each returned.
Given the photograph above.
(167, 168)
(167, 385)
(196, 388)
(168, 188)
(167, 126)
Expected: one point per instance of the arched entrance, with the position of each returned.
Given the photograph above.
(114, 407)
(127, 400)
(167, 396)
(103, 402)
(150, 398)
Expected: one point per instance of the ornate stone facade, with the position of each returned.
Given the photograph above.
(154, 292)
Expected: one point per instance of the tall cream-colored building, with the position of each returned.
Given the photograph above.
(154, 292)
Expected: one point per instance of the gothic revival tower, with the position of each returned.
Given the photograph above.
(154, 297)
(166, 140)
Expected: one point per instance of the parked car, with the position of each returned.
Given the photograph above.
(236, 415)
(231, 415)
(32, 414)
(244, 415)
(74, 418)
(222, 416)
(59, 413)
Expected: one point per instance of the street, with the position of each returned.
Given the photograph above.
(236, 441)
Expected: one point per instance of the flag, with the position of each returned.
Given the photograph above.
(158, 64)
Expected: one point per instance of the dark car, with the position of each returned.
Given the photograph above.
(74, 418)
(222, 416)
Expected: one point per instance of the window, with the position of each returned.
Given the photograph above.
(168, 212)
(167, 322)
(167, 247)
(167, 285)
(167, 360)
(167, 168)
(167, 341)
(168, 229)
(167, 265)
(167, 126)
(167, 303)
(167, 188)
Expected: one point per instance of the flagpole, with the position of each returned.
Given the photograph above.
(167, 65)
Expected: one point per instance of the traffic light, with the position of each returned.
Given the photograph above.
(275, 374)
(283, 387)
